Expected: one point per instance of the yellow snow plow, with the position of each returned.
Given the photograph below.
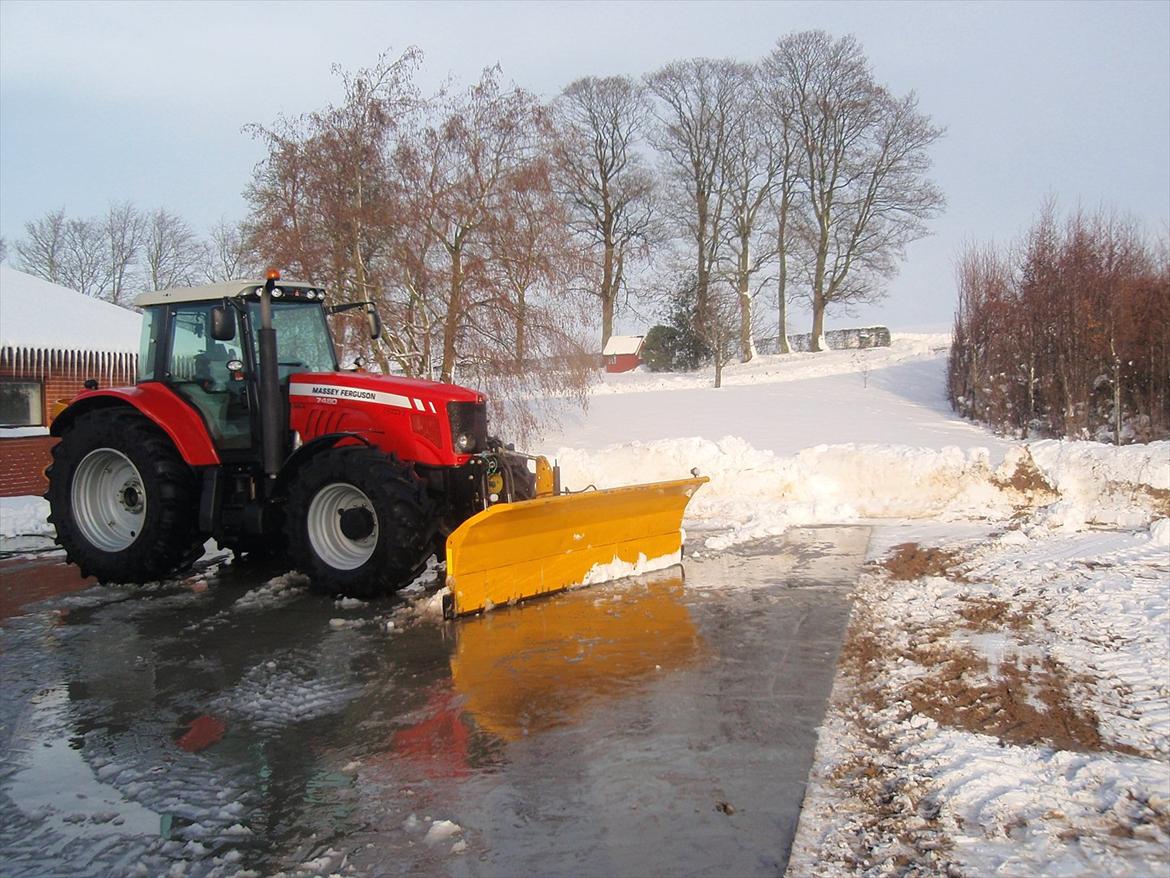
(512, 551)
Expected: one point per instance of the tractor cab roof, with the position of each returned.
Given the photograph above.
(230, 289)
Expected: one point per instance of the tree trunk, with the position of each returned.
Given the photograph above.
(745, 300)
(818, 326)
(521, 317)
(608, 294)
(701, 276)
(451, 323)
(819, 290)
(782, 286)
(718, 359)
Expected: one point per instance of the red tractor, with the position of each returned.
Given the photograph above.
(242, 428)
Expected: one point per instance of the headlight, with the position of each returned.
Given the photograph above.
(464, 442)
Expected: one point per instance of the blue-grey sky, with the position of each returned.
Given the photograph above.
(145, 101)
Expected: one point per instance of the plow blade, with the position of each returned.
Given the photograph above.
(513, 551)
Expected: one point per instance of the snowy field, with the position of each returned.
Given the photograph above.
(1002, 705)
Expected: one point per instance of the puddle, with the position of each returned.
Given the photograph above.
(656, 725)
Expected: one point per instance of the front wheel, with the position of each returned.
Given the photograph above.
(359, 522)
(122, 499)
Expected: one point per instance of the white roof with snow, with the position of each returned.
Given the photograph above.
(622, 344)
(38, 315)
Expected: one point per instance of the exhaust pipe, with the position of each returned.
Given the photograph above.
(272, 421)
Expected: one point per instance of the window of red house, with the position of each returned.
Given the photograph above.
(21, 403)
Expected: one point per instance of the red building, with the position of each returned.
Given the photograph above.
(52, 339)
(622, 353)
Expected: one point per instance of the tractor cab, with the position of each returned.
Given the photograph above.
(202, 343)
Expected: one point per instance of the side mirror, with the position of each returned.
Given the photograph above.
(223, 323)
(375, 324)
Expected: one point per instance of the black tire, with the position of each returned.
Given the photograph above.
(151, 500)
(359, 522)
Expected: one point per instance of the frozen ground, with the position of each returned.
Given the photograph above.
(1002, 706)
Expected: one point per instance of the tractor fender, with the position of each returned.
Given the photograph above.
(308, 451)
(157, 403)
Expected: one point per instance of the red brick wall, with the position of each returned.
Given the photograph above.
(62, 376)
(21, 464)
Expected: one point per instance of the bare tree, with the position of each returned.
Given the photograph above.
(696, 107)
(227, 254)
(863, 169)
(605, 179)
(462, 164)
(41, 252)
(170, 250)
(85, 266)
(776, 98)
(124, 229)
(752, 167)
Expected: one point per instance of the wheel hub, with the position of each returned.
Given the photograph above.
(357, 522)
(131, 498)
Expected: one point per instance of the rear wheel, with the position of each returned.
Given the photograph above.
(122, 499)
(359, 522)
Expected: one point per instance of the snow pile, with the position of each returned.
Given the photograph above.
(1016, 714)
(24, 517)
(1101, 484)
(755, 493)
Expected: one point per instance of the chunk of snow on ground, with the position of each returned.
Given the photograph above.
(275, 591)
(24, 517)
(1160, 532)
(441, 830)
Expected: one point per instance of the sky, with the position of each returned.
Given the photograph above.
(103, 102)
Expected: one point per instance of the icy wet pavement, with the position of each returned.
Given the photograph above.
(217, 725)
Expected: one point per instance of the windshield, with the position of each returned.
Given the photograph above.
(302, 338)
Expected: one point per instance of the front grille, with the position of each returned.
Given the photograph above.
(469, 418)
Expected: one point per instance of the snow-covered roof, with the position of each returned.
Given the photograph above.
(622, 344)
(38, 315)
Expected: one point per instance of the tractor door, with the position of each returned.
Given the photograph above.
(197, 370)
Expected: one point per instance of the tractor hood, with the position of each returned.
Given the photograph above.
(415, 419)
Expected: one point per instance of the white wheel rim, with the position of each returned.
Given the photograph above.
(324, 525)
(109, 502)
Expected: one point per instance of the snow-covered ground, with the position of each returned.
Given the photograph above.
(1002, 705)
(1003, 702)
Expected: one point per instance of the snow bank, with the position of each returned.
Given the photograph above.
(24, 517)
(754, 493)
